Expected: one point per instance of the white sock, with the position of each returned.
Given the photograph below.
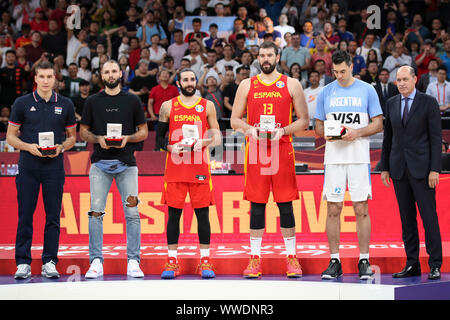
(335, 256)
(204, 252)
(255, 244)
(173, 254)
(290, 246)
(363, 256)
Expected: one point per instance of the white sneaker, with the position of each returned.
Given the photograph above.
(49, 270)
(95, 270)
(23, 271)
(133, 269)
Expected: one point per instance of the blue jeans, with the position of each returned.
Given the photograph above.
(100, 184)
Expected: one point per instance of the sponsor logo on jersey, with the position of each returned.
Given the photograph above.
(199, 108)
(267, 94)
(187, 117)
(58, 110)
(280, 84)
(347, 117)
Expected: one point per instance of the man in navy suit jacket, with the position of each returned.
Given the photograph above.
(411, 156)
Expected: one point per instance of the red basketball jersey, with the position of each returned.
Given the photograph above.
(270, 99)
(190, 167)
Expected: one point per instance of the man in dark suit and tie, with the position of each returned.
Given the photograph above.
(384, 89)
(411, 156)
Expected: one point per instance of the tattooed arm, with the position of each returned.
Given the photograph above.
(164, 112)
(163, 125)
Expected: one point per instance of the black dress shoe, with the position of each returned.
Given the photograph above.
(435, 273)
(408, 271)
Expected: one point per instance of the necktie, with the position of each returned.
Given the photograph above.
(384, 91)
(405, 112)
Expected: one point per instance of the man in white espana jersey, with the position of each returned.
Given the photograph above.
(347, 161)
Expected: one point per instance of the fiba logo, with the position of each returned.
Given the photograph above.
(74, 20)
(199, 108)
(280, 84)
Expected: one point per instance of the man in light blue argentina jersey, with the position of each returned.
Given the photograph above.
(347, 161)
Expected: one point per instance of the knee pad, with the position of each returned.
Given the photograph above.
(257, 216)
(173, 225)
(287, 219)
(203, 225)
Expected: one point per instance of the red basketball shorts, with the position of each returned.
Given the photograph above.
(270, 168)
(174, 194)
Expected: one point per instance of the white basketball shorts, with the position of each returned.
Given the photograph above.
(339, 176)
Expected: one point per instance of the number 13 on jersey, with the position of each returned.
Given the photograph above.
(268, 108)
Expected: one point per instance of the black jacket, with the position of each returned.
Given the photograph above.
(392, 91)
(416, 145)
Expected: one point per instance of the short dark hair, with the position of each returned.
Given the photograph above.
(186, 70)
(112, 61)
(439, 68)
(10, 51)
(268, 45)
(168, 59)
(313, 71)
(242, 67)
(84, 83)
(245, 51)
(196, 20)
(45, 65)
(340, 56)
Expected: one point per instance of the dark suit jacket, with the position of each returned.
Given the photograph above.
(392, 91)
(418, 144)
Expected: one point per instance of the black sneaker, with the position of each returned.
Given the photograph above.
(333, 271)
(365, 271)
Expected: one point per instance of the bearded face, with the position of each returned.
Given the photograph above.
(267, 67)
(187, 83)
(111, 75)
(268, 60)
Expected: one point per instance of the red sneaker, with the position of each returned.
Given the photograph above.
(171, 269)
(293, 267)
(253, 269)
(205, 268)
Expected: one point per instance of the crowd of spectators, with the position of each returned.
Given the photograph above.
(150, 41)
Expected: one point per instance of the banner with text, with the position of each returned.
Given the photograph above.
(229, 218)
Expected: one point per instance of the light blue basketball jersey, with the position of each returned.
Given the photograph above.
(353, 106)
